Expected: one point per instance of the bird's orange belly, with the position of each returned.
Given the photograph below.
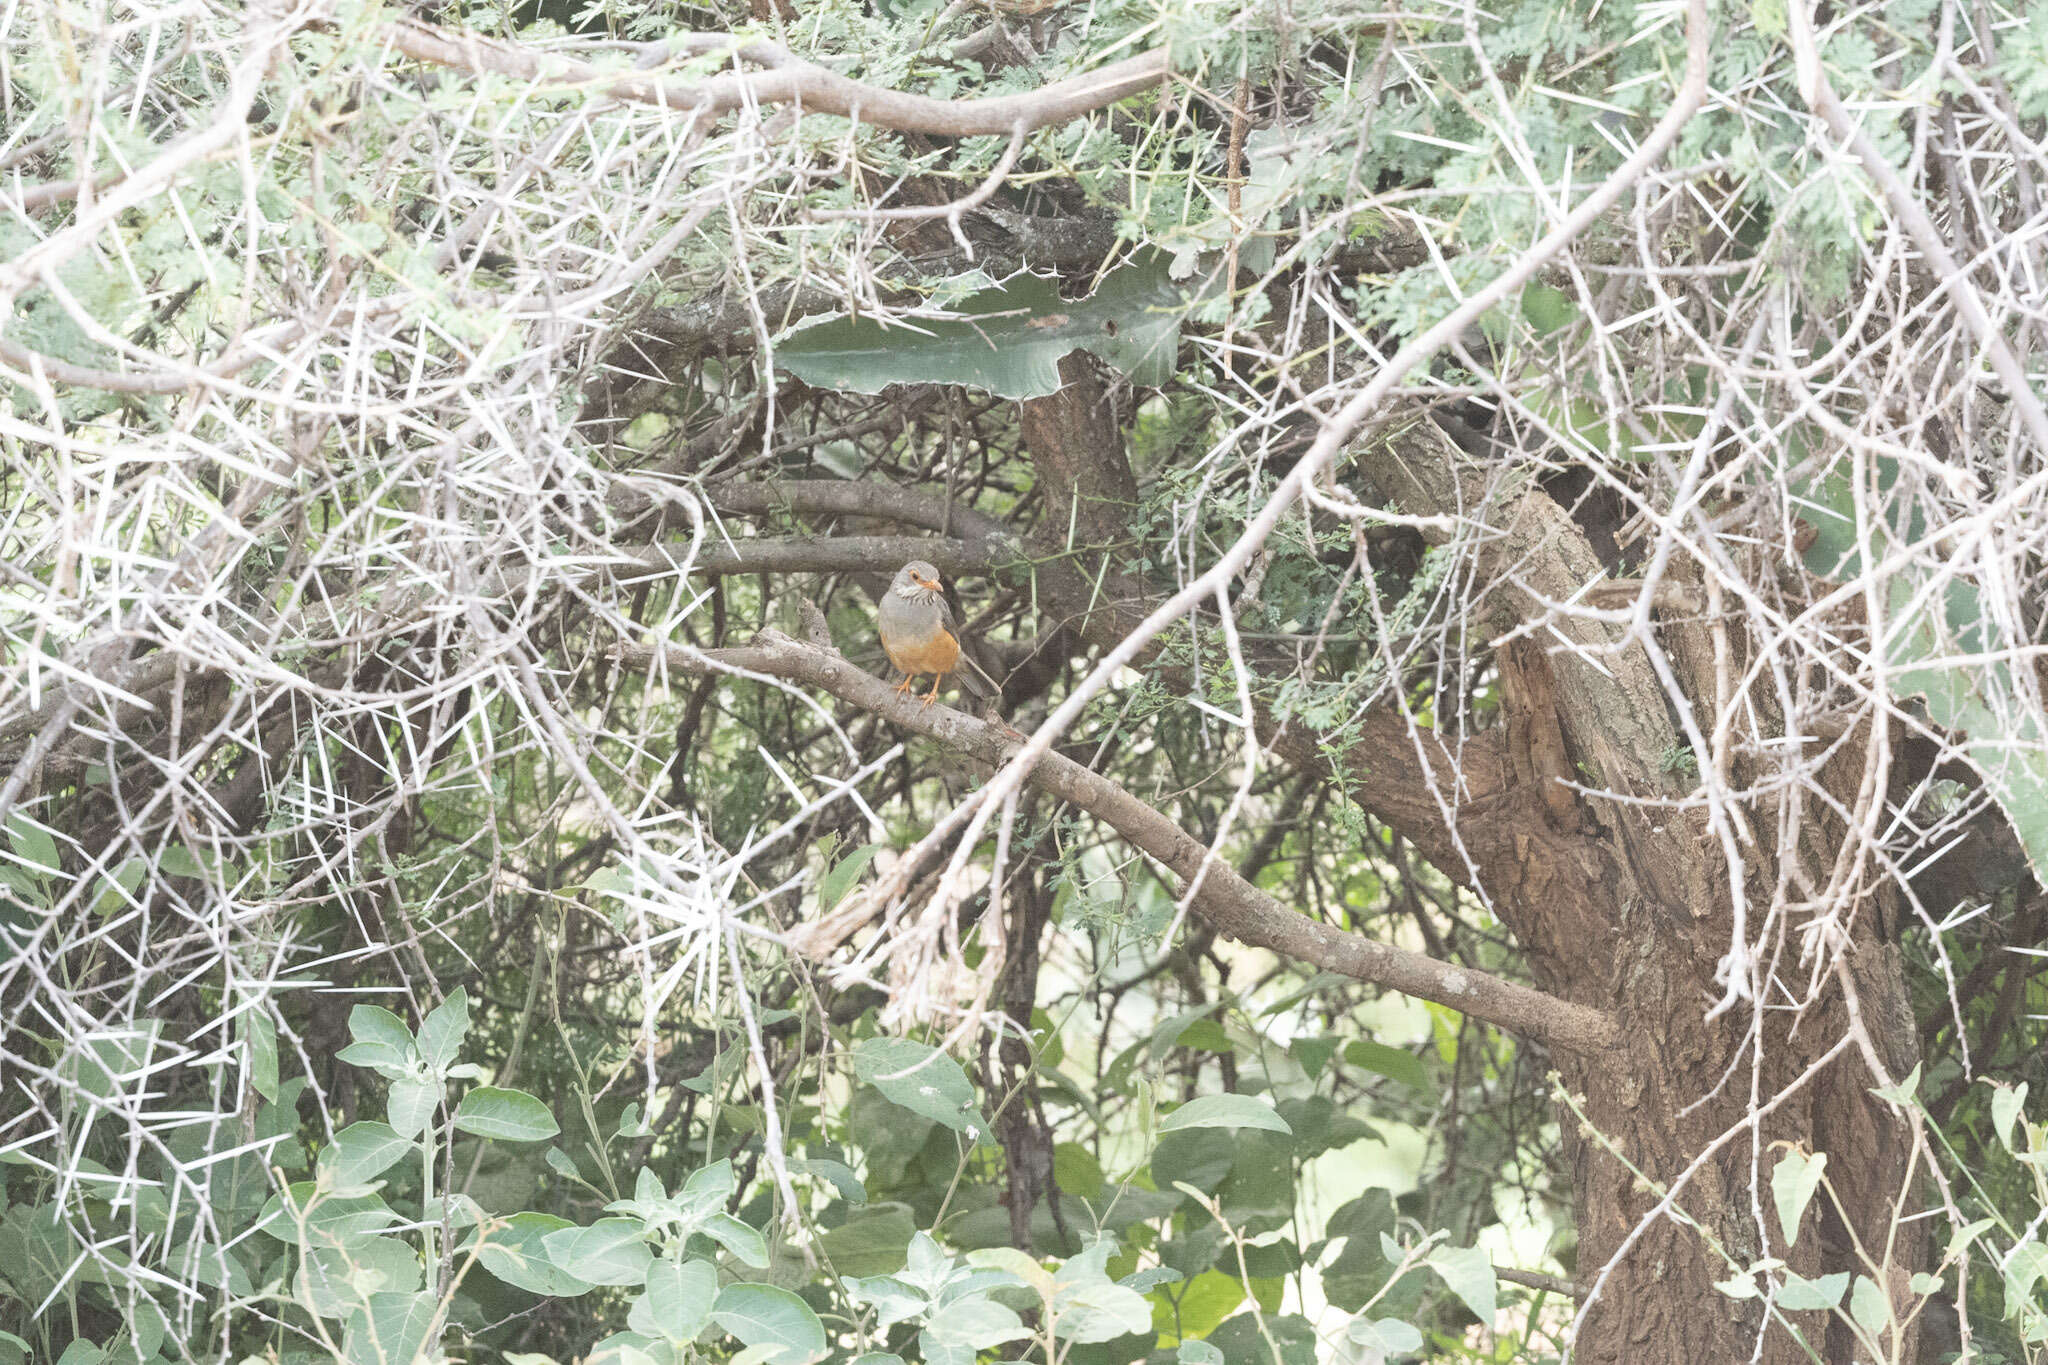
(936, 655)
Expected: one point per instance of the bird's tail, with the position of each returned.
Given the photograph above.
(976, 680)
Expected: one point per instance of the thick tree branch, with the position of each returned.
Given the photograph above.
(1226, 901)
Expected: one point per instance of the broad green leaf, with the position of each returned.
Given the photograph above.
(1548, 309)
(33, 845)
(81, 1352)
(2008, 1103)
(774, 1319)
(1868, 1305)
(1314, 1054)
(259, 1035)
(516, 1252)
(871, 1242)
(840, 1175)
(609, 1251)
(844, 874)
(2026, 1265)
(392, 1329)
(1101, 1312)
(105, 1061)
(1803, 1295)
(1008, 340)
(444, 1028)
(679, 1298)
(336, 1281)
(1202, 1306)
(327, 1221)
(1793, 1182)
(1076, 1171)
(742, 1241)
(1245, 1338)
(1388, 1336)
(977, 1323)
(1391, 1062)
(375, 1026)
(1225, 1111)
(508, 1115)
(360, 1153)
(411, 1105)
(921, 1079)
(1193, 1352)
(1469, 1273)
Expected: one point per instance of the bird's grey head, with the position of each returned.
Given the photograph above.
(916, 579)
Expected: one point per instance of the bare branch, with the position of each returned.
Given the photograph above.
(1228, 902)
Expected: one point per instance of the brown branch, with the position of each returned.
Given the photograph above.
(1226, 901)
(835, 554)
(785, 79)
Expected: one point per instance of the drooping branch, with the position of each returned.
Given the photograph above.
(1226, 901)
(781, 77)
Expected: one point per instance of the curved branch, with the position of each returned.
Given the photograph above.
(788, 79)
(1226, 901)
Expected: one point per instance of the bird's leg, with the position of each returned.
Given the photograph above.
(904, 686)
(933, 695)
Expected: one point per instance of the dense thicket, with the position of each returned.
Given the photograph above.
(1513, 545)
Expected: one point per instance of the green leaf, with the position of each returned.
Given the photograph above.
(1803, 1295)
(1202, 1306)
(1391, 1062)
(81, 1352)
(1469, 1273)
(444, 1028)
(679, 1297)
(1388, 1336)
(1548, 309)
(844, 874)
(1225, 1111)
(359, 1154)
(2008, 1102)
(1904, 1091)
(1243, 1339)
(33, 845)
(976, 1323)
(491, 1111)
(742, 1241)
(259, 1035)
(516, 1252)
(329, 1221)
(1793, 1182)
(838, 1173)
(1314, 1054)
(1192, 1352)
(1075, 1170)
(411, 1105)
(2027, 1265)
(1008, 340)
(776, 1320)
(375, 1026)
(393, 1328)
(871, 1242)
(1868, 1306)
(103, 1062)
(921, 1079)
(609, 1251)
(339, 1280)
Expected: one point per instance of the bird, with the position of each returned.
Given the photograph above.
(920, 635)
